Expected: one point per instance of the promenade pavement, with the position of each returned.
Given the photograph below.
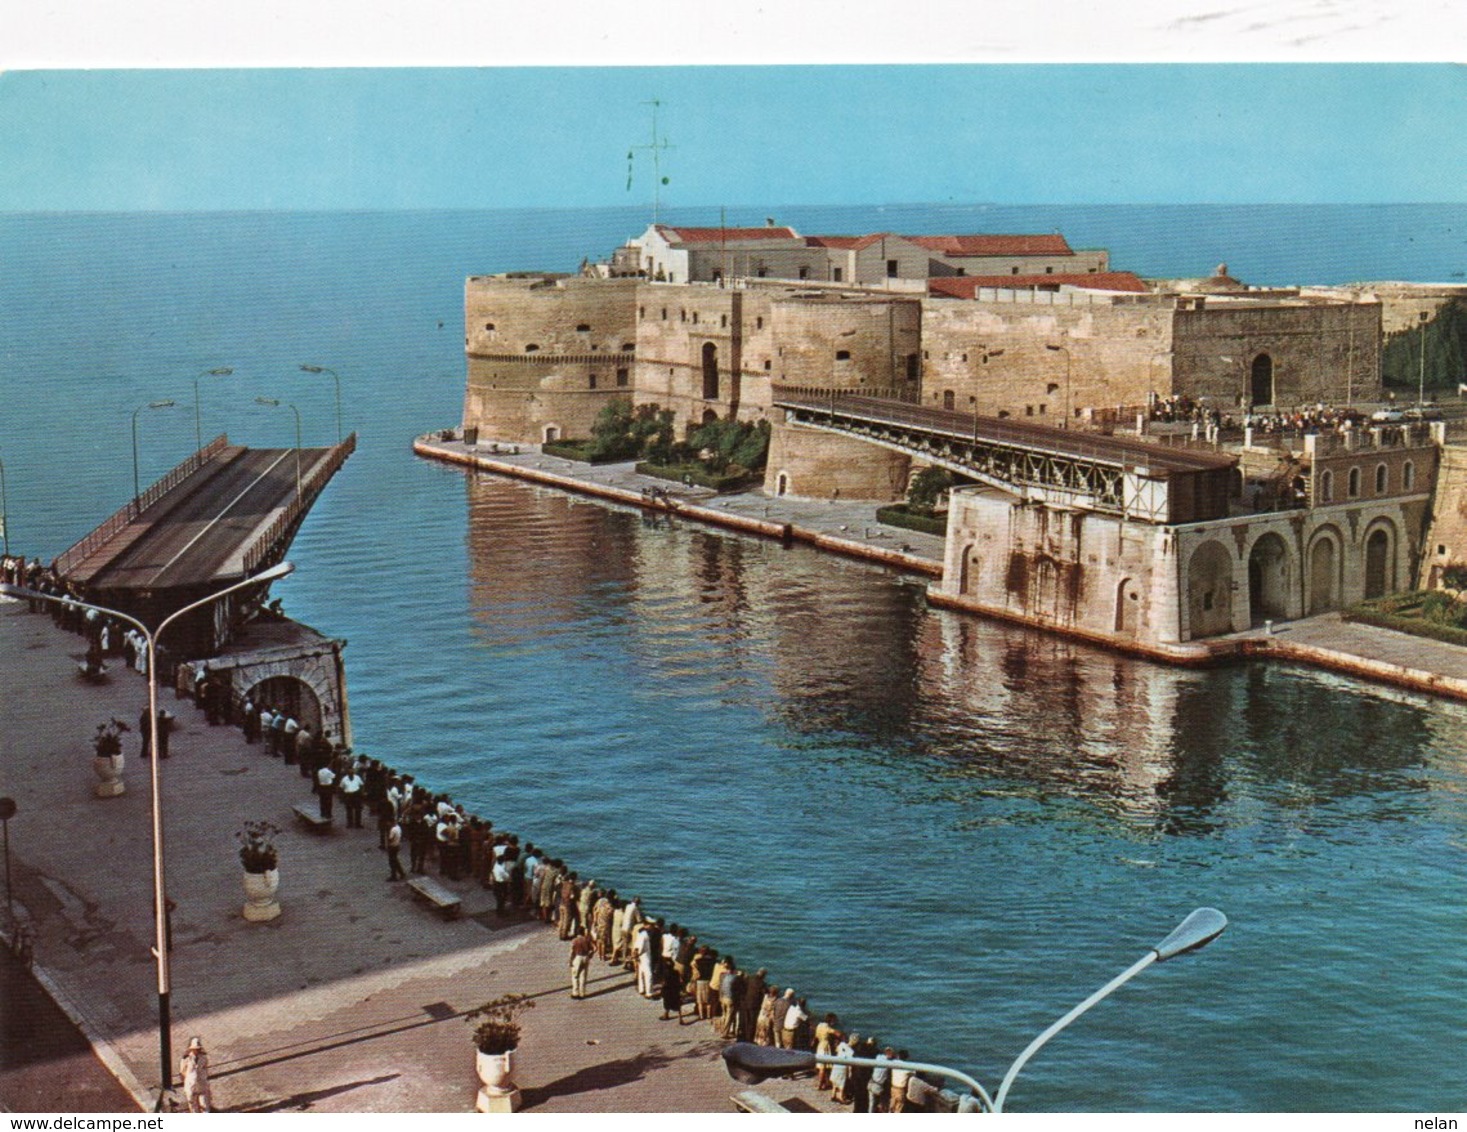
(352, 1000)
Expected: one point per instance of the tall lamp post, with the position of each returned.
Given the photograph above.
(752, 1063)
(337, 379)
(137, 490)
(160, 900)
(276, 402)
(222, 371)
(4, 512)
(1422, 318)
(1066, 351)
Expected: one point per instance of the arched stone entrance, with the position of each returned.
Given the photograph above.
(291, 695)
(1210, 591)
(1128, 607)
(964, 569)
(1380, 564)
(1261, 380)
(710, 371)
(1324, 573)
(1268, 579)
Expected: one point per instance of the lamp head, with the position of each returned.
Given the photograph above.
(1197, 930)
(750, 1063)
(222, 371)
(160, 404)
(267, 401)
(312, 369)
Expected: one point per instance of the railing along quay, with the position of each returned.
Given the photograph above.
(311, 487)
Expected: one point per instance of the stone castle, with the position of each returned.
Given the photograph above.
(719, 323)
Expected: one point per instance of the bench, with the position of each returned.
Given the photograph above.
(752, 1101)
(435, 894)
(312, 819)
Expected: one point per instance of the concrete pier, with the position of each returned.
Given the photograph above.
(352, 1000)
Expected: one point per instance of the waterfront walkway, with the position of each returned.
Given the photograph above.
(353, 999)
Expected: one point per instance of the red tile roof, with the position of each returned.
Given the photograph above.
(722, 235)
(994, 245)
(847, 243)
(964, 286)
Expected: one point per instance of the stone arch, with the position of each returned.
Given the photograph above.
(1382, 479)
(1260, 383)
(1326, 561)
(710, 371)
(291, 695)
(949, 399)
(965, 569)
(1210, 590)
(552, 433)
(1128, 607)
(1327, 486)
(782, 483)
(710, 416)
(1380, 559)
(1268, 578)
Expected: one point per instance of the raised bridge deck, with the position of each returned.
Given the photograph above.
(1130, 478)
(223, 513)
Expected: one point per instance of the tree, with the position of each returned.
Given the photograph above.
(928, 487)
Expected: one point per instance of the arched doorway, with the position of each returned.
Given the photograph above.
(710, 371)
(949, 399)
(1210, 591)
(1323, 575)
(1380, 573)
(781, 483)
(552, 434)
(964, 575)
(1128, 608)
(291, 695)
(1261, 388)
(1268, 579)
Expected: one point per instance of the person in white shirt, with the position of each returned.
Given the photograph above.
(351, 796)
(794, 1017)
(326, 789)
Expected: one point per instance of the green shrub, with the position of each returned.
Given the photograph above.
(732, 478)
(902, 515)
(928, 486)
(732, 442)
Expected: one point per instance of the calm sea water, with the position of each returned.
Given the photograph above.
(947, 830)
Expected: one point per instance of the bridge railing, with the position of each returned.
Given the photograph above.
(101, 535)
(256, 553)
(830, 394)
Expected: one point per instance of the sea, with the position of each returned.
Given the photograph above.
(944, 829)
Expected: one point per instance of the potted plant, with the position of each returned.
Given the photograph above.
(497, 1040)
(261, 860)
(107, 758)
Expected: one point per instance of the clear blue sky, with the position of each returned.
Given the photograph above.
(451, 138)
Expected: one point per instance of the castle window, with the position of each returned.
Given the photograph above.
(1382, 478)
(488, 326)
(1354, 482)
(1041, 410)
(1014, 271)
(767, 365)
(723, 320)
(965, 357)
(531, 347)
(759, 323)
(1327, 487)
(836, 275)
(891, 269)
(762, 272)
(664, 314)
(1049, 271)
(593, 381)
(695, 318)
(628, 347)
(1408, 475)
(842, 355)
(1028, 410)
(1052, 387)
(641, 312)
(962, 271)
(623, 376)
(684, 313)
(583, 327)
(804, 273)
(1003, 414)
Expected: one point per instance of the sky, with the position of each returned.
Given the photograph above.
(88, 126)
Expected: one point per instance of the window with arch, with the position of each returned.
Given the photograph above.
(1382, 479)
(1408, 475)
(531, 347)
(1354, 483)
(1326, 487)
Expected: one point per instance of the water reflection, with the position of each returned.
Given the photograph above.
(843, 657)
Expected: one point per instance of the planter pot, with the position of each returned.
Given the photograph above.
(108, 769)
(500, 1093)
(260, 889)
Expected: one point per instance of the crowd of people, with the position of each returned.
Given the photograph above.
(689, 979)
(1317, 418)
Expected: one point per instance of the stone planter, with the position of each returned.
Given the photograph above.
(500, 1093)
(260, 889)
(108, 769)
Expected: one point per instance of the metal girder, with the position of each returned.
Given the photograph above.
(1054, 477)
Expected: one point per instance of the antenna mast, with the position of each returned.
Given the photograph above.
(656, 147)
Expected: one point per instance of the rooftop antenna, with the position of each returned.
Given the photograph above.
(656, 146)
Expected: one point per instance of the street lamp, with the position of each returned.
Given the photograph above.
(4, 512)
(1066, 351)
(222, 371)
(275, 401)
(1197, 930)
(751, 1063)
(137, 491)
(160, 900)
(337, 378)
(1421, 380)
